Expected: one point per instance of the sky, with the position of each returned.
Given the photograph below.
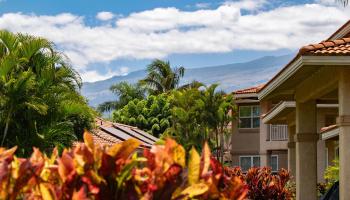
(105, 38)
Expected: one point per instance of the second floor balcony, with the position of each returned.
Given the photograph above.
(277, 133)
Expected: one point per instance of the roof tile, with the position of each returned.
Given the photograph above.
(255, 89)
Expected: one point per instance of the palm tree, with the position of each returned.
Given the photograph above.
(37, 84)
(216, 113)
(161, 77)
(126, 92)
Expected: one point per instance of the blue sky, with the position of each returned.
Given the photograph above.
(114, 37)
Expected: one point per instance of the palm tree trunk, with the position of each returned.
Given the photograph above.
(6, 126)
(217, 144)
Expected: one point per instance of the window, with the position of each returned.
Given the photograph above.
(274, 163)
(246, 162)
(249, 117)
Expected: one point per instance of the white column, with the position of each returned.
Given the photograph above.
(344, 134)
(306, 151)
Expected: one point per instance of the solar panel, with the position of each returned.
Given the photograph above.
(133, 133)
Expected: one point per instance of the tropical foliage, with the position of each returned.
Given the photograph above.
(125, 92)
(262, 184)
(331, 174)
(200, 115)
(89, 171)
(39, 100)
(161, 77)
(151, 114)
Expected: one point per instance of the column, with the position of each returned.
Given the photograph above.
(344, 134)
(306, 151)
(291, 150)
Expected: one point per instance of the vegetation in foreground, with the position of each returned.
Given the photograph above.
(89, 171)
(39, 100)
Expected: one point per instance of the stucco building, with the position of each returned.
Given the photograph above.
(254, 143)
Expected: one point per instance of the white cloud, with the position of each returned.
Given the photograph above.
(93, 75)
(163, 31)
(105, 16)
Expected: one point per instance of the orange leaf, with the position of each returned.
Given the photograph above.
(128, 147)
(89, 140)
(114, 150)
(195, 190)
(193, 167)
(46, 192)
(205, 160)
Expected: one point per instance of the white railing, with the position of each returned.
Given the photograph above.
(278, 132)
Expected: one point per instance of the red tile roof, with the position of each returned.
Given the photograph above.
(328, 128)
(255, 89)
(334, 47)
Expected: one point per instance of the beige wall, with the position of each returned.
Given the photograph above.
(252, 142)
(267, 146)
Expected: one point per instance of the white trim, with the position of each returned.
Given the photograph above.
(246, 101)
(327, 105)
(245, 95)
(251, 160)
(289, 104)
(330, 134)
(341, 33)
(280, 78)
(277, 163)
(276, 110)
(251, 117)
(297, 64)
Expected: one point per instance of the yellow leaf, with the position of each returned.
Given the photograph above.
(114, 150)
(128, 147)
(89, 140)
(179, 155)
(46, 194)
(9, 152)
(195, 190)
(193, 167)
(205, 159)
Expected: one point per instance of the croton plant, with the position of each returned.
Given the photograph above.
(123, 171)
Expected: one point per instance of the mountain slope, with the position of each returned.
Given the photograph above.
(230, 77)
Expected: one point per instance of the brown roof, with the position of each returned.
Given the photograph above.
(255, 89)
(328, 128)
(333, 47)
(108, 133)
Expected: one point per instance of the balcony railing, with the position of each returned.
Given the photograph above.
(278, 132)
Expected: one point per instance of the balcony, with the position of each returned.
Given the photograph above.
(277, 133)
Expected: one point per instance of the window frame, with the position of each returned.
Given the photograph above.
(251, 160)
(251, 117)
(274, 155)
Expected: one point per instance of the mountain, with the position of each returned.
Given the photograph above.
(230, 77)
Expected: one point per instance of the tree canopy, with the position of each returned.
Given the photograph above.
(40, 104)
(161, 77)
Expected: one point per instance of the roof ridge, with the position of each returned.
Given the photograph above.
(253, 89)
(323, 44)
